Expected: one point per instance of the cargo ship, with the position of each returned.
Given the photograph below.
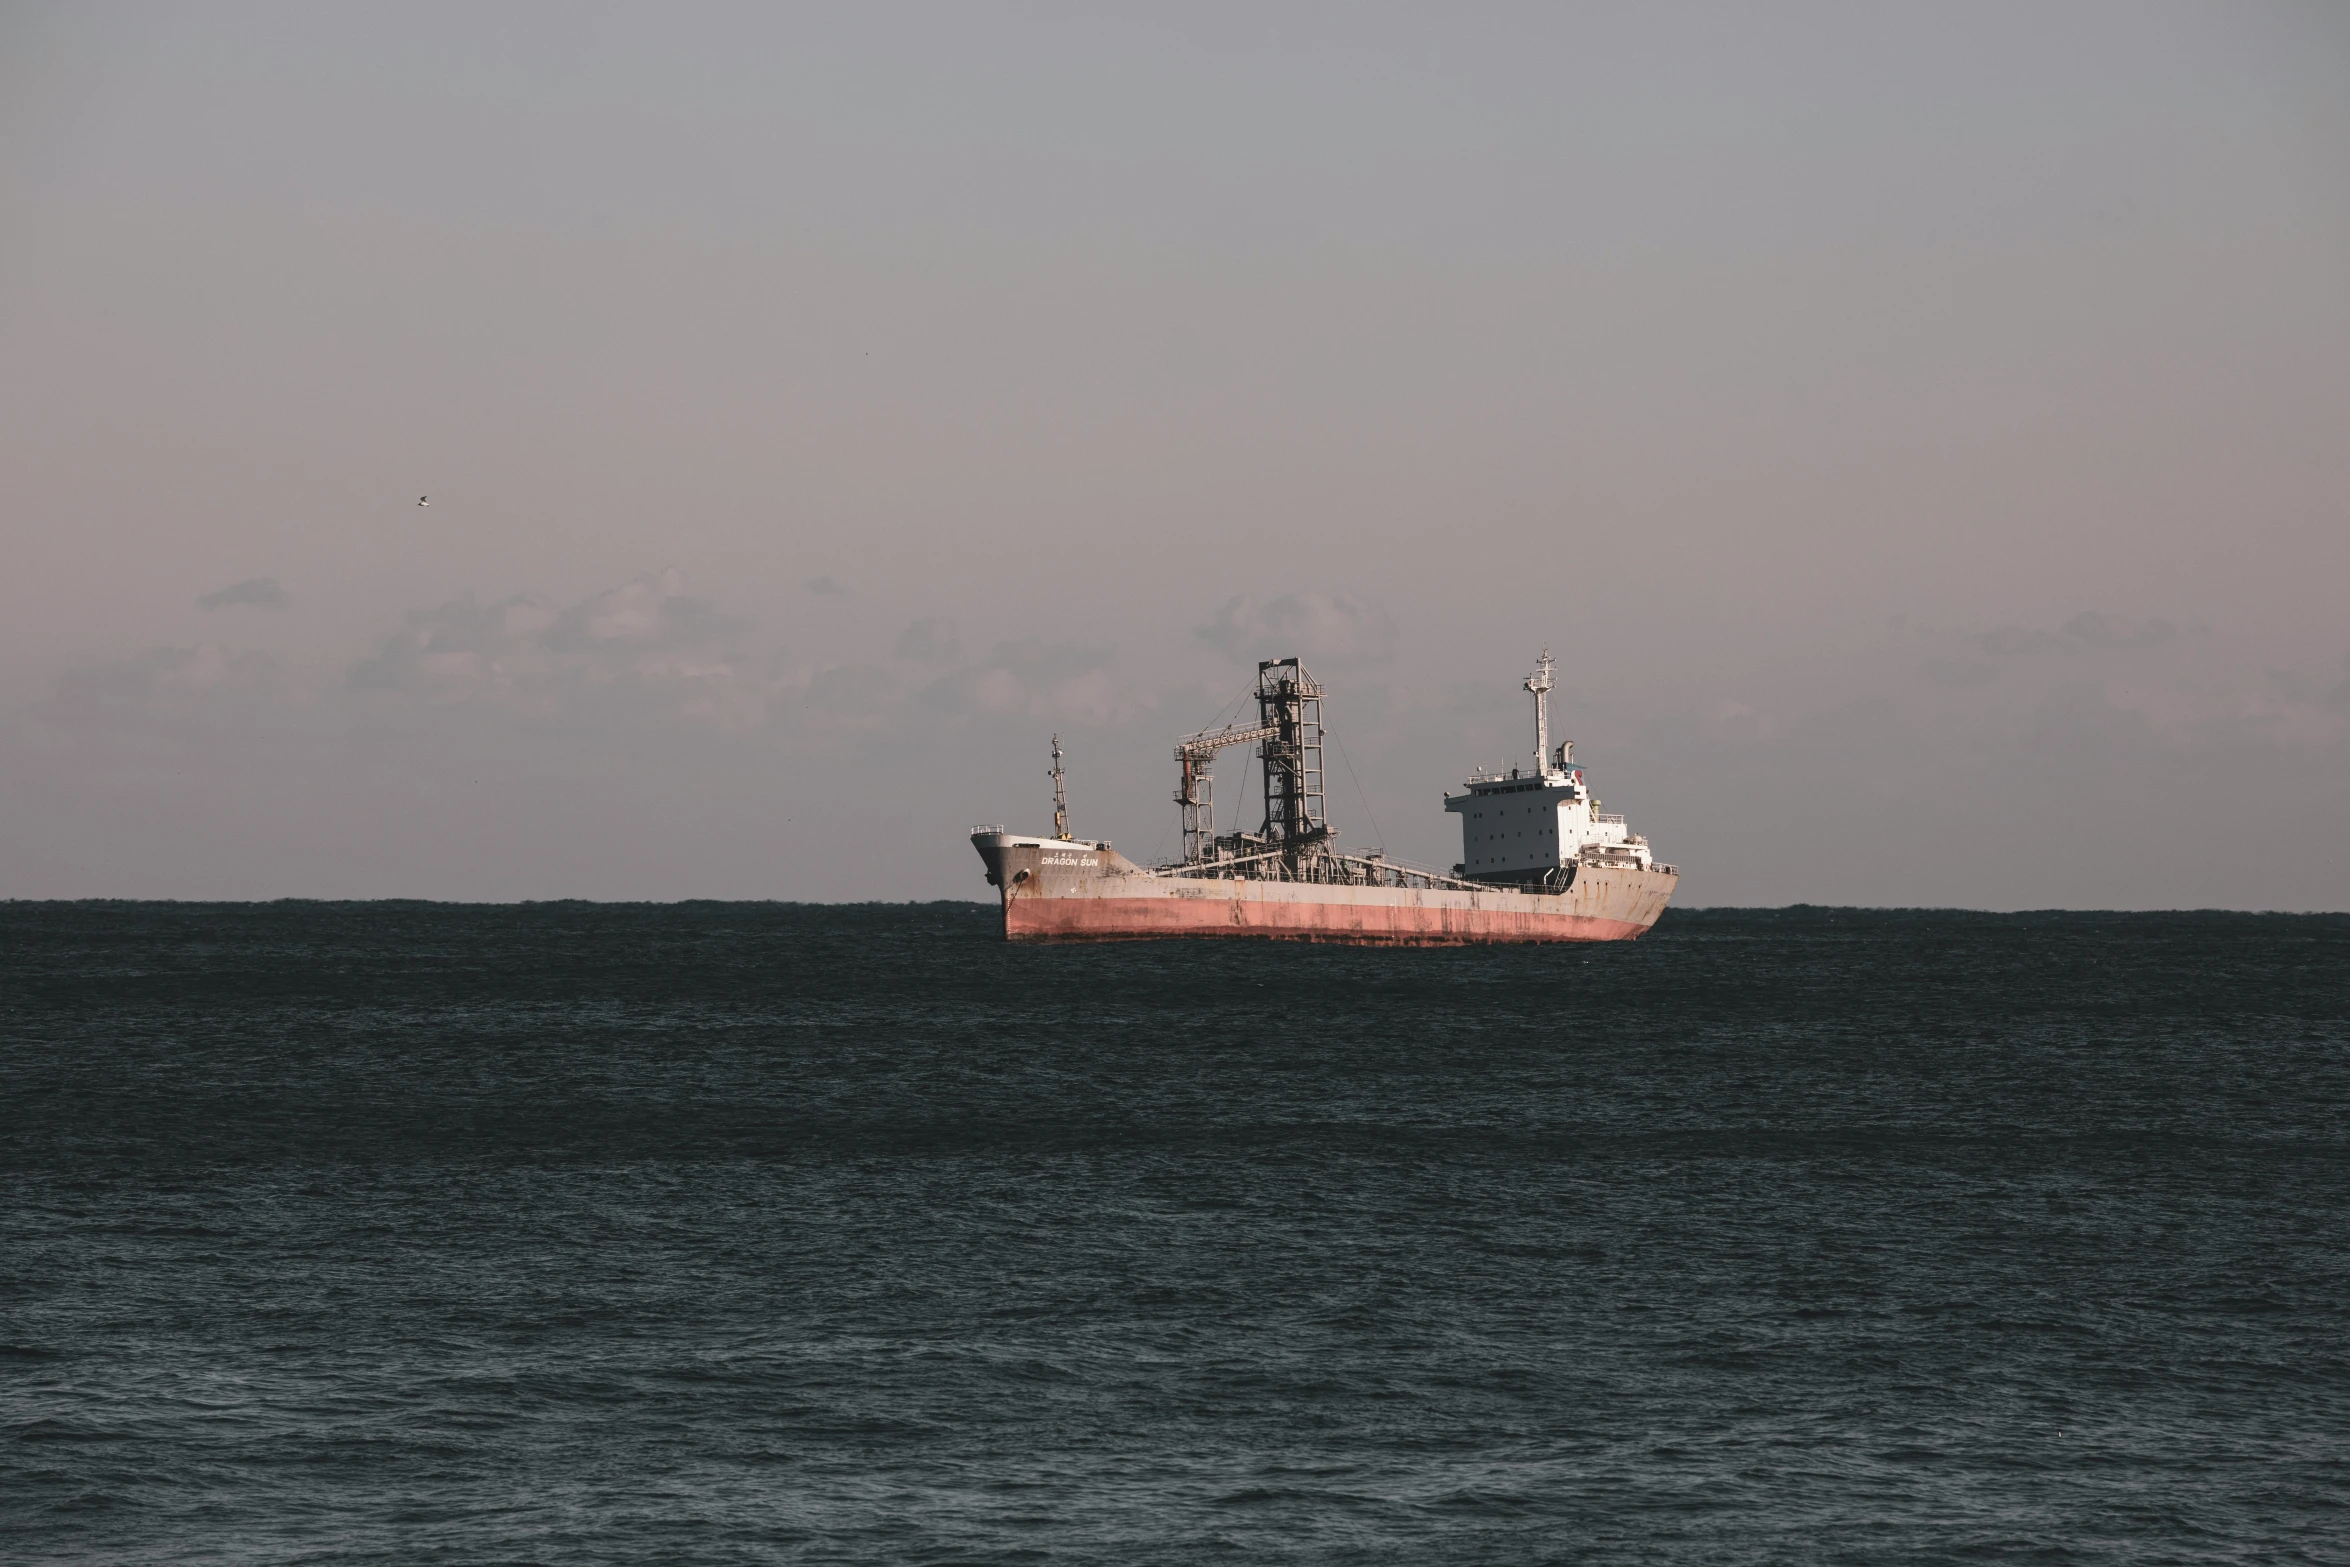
(1540, 861)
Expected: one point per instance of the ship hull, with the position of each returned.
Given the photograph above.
(1055, 891)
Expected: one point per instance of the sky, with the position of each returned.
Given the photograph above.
(1921, 434)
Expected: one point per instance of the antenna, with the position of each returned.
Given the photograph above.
(1539, 683)
(1060, 796)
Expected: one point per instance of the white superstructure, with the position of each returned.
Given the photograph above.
(1525, 826)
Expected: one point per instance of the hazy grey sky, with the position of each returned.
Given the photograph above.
(1922, 433)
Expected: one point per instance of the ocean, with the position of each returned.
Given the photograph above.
(578, 1233)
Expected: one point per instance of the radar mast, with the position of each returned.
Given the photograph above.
(1540, 683)
(1060, 796)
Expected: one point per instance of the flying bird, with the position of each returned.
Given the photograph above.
(424, 500)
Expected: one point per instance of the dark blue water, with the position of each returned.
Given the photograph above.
(718, 1233)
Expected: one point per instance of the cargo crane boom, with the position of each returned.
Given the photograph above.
(1207, 743)
(1196, 755)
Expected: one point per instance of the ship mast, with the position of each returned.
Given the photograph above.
(1539, 683)
(1060, 796)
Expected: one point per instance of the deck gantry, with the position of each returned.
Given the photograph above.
(1288, 736)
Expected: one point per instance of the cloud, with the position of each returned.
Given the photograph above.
(548, 728)
(929, 641)
(206, 690)
(651, 612)
(1309, 625)
(1958, 671)
(2008, 641)
(644, 656)
(826, 587)
(2088, 631)
(853, 691)
(2111, 631)
(2103, 678)
(646, 650)
(252, 593)
(1031, 679)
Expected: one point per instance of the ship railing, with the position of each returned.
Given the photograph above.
(980, 827)
(1340, 870)
(1607, 816)
(1217, 868)
(1379, 871)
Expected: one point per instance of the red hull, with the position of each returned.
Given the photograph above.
(1141, 919)
(1059, 890)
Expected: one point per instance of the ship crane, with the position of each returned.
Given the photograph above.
(1196, 755)
(1288, 738)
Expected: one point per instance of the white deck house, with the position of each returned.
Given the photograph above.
(1523, 826)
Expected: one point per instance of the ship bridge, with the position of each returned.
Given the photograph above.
(1539, 824)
